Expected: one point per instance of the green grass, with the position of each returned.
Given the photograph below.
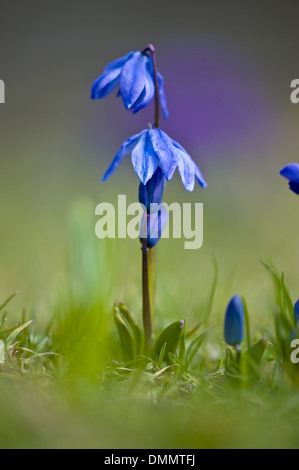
(79, 378)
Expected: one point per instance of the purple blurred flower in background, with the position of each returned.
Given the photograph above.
(152, 149)
(134, 75)
(291, 172)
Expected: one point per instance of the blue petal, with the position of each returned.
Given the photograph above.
(148, 92)
(103, 85)
(118, 63)
(132, 79)
(144, 159)
(124, 150)
(291, 172)
(162, 96)
(198, 175)
(234, 321)
(168, 156)
(188, 161)
(186, 170)
(294, 187)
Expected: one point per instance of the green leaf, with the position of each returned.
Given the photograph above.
(288, 304)
(2, 352)
(247, 322)
(3, 320)
(182, 345)
(8, 300)
(253, 358)
(194, 347)
(131, 324)
(193, 329)
(129, 332)
(170, 336)
(256, 351)
(161, 355)
(275, 277)
(283, 328)
(126, 337)
(16, 331)
(283, 298)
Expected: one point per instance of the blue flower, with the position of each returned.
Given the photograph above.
(134, 75)
(153, 224)
(152, 191)
(234, 321)
(152, 149)
(291, 172)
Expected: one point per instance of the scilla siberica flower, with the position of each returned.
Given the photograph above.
(291, 172)
(234, 321)
(152, 149)
(134, 75)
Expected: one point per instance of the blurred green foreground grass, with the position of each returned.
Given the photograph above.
(63, 380)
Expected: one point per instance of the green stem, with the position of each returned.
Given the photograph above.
(152, 278)
(147, 321)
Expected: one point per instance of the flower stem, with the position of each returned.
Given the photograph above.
(152, 51)
(238, 353)
(152, 277)
(147, 321)
(149, 256)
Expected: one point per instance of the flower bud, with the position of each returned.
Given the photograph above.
(152, 191)
(234, 321)
(152, 225)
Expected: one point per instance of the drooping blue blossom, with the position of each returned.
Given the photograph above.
(153, 224)
(291, 172)
(152, 191)
(134, 75)
(234, 321)
(152, 149)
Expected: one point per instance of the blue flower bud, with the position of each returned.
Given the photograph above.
(152, 191)
(234, 321)
(153, 225)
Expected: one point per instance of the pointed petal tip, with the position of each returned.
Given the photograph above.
(202, 183)
(93, 96)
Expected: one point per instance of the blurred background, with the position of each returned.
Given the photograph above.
(227, 68)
